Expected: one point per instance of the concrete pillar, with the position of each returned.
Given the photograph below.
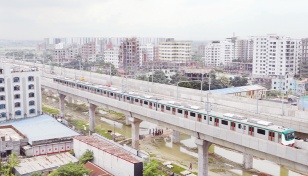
(176, 136)
(203, 147)
(127, 121)
(284, 171)
(247, 161)
(70, 100)
(92, 109)
(135, 132)
(62, 104)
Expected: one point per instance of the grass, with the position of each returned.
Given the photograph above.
(103, 132)
(79, 124)
(176, 169)
(112, 112)
(50, 110)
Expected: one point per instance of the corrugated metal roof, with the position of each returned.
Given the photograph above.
(237, 89)
(41, 128)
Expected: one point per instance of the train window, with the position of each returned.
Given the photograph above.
(97, 90)
(271, 134)
(127, 98)
(224, 122)
(136, 100)
(211, 119)
(260, 131)
(251, 129)
(192, 114)
(158, 105)
(85, 87)
(180, 111)
(154, 104)
(239, 126)
(204, 117)
(145, 102)
(105, 92)
(111, 94)
(168, 108)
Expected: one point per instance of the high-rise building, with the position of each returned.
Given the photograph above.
(175, 51)
(20, 92)
(66, 54)
(218, 53)
(111, 55)
(304, 59)
(146, 53)
(88, 52)
(129, 54)
(243, 50)
(276, 55)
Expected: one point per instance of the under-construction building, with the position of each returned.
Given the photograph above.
(304, 59)
(129, 55)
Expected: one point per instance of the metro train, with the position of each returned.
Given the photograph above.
(236, 123)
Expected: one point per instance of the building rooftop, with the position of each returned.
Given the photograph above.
(45, 162)
(96, 170)
(108, 147)
(10, 133)
(42, 127)
(238, 89)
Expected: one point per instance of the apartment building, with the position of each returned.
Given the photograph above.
(146, 53)
(218, 53)
(243, 50)
(304, 59)
(175, 51)
(88, 52)
(276, 55)
(20, 92)
(289, 85)
(111, 55)
(66, 54)
(129, 54)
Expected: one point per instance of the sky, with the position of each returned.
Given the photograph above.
(180, 19)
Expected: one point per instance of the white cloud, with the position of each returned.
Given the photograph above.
(183, 19)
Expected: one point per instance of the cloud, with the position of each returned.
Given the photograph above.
(182, 19)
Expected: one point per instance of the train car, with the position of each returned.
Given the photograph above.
(236, 123)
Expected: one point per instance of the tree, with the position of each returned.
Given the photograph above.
(143, 78)
(86, 156)
(224, 81)
(177, 78)
(238, 81)
(150, 169)
(71, 169)
(12, 162)
(160, 77)
(37, 174)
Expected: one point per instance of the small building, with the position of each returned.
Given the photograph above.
(43, 164)
(11, 140)
(45, 135)
(110, 156)
(253, 91)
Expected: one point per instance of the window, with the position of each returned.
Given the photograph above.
(180, 111)
(31, 94)
(136, 100)
(18, 112)
(31, 86)
(204, 117)
(224, 122)
(127, 98)
(239, 126)
(111, 94)
(1, 89)
(16, 88)
(146, 103)
(17, 105)
(168, 108)
(3, 114)
(2, 97)
(31, 103)
(1, 80)
(16, 79)
(260, 131)
(16, 96)
(30, 78)
(192, 114)
(2, 106)
(32, 111)
(211, 119)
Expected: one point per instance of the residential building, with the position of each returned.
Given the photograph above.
(275, 55)
(304, 59)
(146, 53)
(66, 54)
(289, 85)
(129, 54)
(111, 55)
(20, 92)
(88, 52)
(218, 53)
(175, 51)
(243, 50)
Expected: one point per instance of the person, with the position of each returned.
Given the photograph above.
(190, 166)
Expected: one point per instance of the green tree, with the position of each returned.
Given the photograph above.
(160, 77)
(13, 161)
(71, 169)
(37, 174)
(238, 81)
(224, 81)
(177, 78)
(143, 78)
(150, 169)
(86, 156)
